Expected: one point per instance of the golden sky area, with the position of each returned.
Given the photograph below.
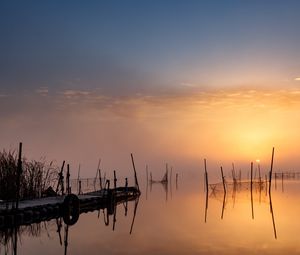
(224, 126)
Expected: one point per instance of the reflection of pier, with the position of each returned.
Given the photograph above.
(9, 236)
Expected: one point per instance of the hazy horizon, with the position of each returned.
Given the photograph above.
(171, 82)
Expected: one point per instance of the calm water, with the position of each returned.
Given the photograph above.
(174, 222)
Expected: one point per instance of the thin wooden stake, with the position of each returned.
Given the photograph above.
(206, 176)
(68, 180)
(135, 176)
(60, 179)
(115, 180)
(271, 171)
(223, 180)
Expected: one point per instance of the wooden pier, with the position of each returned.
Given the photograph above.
(69, 207)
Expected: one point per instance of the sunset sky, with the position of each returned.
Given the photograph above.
(174, 81)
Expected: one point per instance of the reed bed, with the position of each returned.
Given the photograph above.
(36, 176)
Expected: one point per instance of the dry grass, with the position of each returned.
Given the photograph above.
(36, 176)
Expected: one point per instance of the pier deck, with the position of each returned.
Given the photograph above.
(68, 206)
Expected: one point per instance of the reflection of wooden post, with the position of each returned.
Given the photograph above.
(271, 171)
(223, 207)
(273, 218)
(275, 175)
(252, 209)
(134, 213)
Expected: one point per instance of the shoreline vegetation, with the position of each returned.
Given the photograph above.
(35, 177)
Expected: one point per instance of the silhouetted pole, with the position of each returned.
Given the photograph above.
(68, 180)
(206, 186)
(60, 179)
(206, 176)
(115, 180)
(135, 176)
(271, 171)
(19, 172)
(78, 176)
(223, 180)
(251, 176)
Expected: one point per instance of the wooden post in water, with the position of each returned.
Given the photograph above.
(19, 172)
(115, 180)
(78, 176)
(252, 209)
(135, 176)
(206, 186)
(206, 176)
(251, 176)
(68, 180)
(271, 171)
(61, 179)
(97, 172)
(223, 180)
(100, 179)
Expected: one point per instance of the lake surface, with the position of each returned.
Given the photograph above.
(178, 220)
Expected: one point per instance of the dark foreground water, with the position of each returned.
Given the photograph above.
(177, 220)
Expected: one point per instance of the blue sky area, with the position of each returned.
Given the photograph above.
(129, 46)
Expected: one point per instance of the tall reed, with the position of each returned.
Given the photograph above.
(35, 178)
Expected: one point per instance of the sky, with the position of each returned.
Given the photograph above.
(171, 81)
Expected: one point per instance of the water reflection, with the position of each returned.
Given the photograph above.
(165, 182)
(11, 237)
(238, 191)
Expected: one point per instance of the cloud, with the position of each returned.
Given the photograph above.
(43, 91)
(187, 84)
(297, 79)
(70, 93)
